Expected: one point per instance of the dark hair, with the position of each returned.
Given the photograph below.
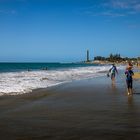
(130, 64)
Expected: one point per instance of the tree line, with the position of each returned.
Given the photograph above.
(115, 57)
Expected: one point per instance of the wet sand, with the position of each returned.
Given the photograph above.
(82, 110)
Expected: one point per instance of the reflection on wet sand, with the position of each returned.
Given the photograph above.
(113, 86)
(75, 111)
(130, 100)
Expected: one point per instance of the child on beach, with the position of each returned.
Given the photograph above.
(129, 79)
(113, 70)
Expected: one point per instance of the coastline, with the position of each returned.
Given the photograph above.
(86, 109)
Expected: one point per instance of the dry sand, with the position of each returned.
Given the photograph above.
(136, 75)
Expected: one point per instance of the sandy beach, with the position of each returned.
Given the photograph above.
(136, 75)
(69, 70)
(80, 110)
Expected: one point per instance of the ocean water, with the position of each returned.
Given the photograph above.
(19, 78)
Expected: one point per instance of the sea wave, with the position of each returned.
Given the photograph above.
(13, 83)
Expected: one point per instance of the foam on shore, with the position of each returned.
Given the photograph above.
(13, 83)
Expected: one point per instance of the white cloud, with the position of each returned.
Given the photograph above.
(119, 4)
(134, 26)
(113, 14)
(137, 7)
(115, 8)
(125, 4)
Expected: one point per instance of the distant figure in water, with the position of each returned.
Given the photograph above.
(28, 70)
(113, 70)
(129, 79)
(45, 68)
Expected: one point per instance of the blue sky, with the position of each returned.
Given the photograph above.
(62, 30)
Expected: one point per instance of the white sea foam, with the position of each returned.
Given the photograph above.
(13, 83)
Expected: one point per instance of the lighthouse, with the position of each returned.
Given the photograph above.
(87, 55)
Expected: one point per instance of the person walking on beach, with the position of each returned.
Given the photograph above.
(129, 79)
(113, 70)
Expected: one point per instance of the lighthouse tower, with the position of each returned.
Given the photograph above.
(88, 56)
